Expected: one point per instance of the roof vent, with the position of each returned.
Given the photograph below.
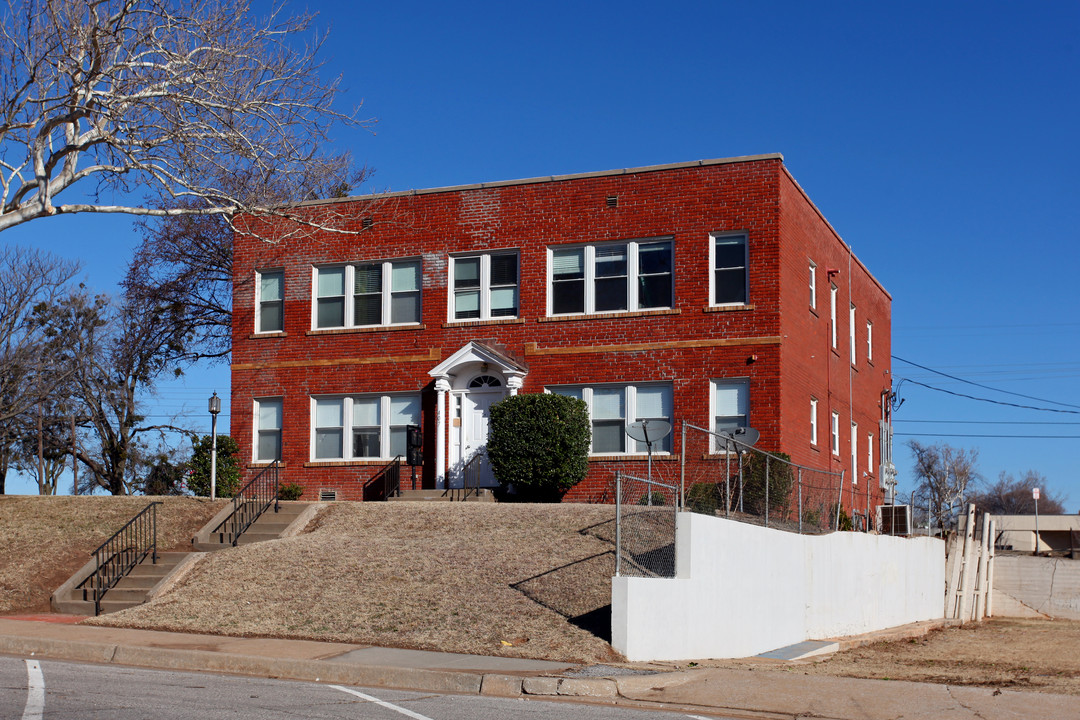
(366, 223)
(327, 495)
(613, 201)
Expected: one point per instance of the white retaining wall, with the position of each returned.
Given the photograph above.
(741, 590)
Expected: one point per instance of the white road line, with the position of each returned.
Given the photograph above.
(35, 691)
(377, 701)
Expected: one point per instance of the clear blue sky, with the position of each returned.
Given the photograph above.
(939, 139)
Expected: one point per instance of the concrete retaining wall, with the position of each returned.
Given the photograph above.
(741, 590)
(1050, 586)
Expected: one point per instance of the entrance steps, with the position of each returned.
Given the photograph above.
(290, 518)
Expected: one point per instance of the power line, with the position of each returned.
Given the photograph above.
(978, 435)
(984, 387)
(988, 400)
(990, 422)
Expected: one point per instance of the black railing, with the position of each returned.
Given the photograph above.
(386, 483)
(253, 500)
(118, 555)
(470, 475)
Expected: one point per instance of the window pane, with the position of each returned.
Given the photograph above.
(467, 272)
(328, 444)
(270, 319)
(504, 302)
(568, 264)
(730, 252)
(610, 294)
(270, 286)
(405, 276)
(654, 258)
(568, 297)
(329, 413)
(610, 260)
(368, 310)
(730, 286)
(654, 402)
(467, 304)
(568, 392)
(398, 439)
(731, 398)
(405, 307)
(504, 269)
(366, 443)
(608, 403)
(331, 313)
(331, 282)
(654, 291)
(608, 436)
(269, 445)
(369, 278)
(405, 410)
(270, 414)
(365, 411)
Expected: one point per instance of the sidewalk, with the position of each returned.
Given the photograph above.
(762, 692)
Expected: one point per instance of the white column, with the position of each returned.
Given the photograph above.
(442, 386)
(514, 382)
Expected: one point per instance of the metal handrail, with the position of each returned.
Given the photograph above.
(119, 555)
(251, 502)
(471, 470)
(386, 483)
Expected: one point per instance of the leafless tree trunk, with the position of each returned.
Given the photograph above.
(945, 478)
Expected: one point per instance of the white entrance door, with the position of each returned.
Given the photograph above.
(476, 412)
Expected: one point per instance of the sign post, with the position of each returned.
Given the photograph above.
(1035, 496)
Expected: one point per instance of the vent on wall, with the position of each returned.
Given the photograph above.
(327, 495)
(613, 201)
(366, 223)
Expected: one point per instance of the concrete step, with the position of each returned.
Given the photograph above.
(254, 536)
(111, 606)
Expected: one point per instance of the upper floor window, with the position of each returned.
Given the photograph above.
(869, 340)
(268, 420)
(833, 292)
(363, 426)
(729, 277)
(612, 407)
(484, 287)
(618, 277)
(269, 316)
(368, 294)
(813, 285)
(851, 333)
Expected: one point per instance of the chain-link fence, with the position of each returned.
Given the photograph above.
(721, 475)
(645, 526)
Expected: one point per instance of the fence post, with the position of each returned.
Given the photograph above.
(682, 467)
(800, 500)
(618, 523)
(767, 458)
(839, 501)
(727, 481)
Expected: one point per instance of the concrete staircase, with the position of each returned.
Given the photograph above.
(451, 495)
(269, 526)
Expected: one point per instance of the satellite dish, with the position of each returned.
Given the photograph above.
(745, 436)
(648, 431)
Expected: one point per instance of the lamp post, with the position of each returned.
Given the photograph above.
(215, 408)
(1035, 497)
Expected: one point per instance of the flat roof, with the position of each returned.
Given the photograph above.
(552, 178)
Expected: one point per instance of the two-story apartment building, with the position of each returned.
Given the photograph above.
(711, 292)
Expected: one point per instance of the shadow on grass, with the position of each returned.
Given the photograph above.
(579, 591)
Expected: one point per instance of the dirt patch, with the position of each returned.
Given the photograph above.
(509, 580)
(46, 539)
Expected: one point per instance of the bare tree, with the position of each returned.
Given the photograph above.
(113, 95)
(945, 478)
(1013, 496)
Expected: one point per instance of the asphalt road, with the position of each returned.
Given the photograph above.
(45, 690)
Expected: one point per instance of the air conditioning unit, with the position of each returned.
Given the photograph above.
(894, 519)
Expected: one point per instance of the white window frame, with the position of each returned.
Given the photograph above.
(869, 340)
(633, 299)
(813, 285)
(713, 238)
(485, 286)
(347, 449)
(259, 301)
(833, 292)
(834, 432)
(851, 333)
(257, 431)
(631, 446)
(386, 292)
(813, 420)
(870, 453)
(744, 384)
(854, 453)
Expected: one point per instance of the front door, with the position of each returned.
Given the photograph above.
(476, 415)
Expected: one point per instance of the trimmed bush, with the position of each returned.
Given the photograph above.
(703, 498)
(228, 467)
(539, 444)
(290, 491)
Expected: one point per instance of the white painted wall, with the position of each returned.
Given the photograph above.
(742, 590)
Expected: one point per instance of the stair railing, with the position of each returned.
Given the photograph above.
(386, 483)
(119, 555)
(252, 501)
(470, 475)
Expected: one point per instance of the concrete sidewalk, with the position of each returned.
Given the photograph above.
(758, 692)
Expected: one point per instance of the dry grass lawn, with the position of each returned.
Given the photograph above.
(46, 539)
(496, 579)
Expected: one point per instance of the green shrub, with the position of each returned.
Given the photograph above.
(654, 498)
(290, 491)
(539, 444)
(781, 479)
(703, 498)
(228, 467)
(845, 519)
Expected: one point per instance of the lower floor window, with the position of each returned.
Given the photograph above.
(363, 426)
(730, 406)
(268, 415)
(612, 407)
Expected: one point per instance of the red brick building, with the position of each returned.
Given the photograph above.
(710, 292)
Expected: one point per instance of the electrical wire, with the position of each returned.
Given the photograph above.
(984, 387)
(995, 402)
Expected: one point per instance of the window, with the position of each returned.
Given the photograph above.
(611, 407)
(268, 416)
(869, 341)
(619, 277)
(870, 453)
(368, 294)
(269, 316)
(728, 269)
(854, 453)
(813, 421)
(834, 430)
(730, 404)
(363, 426)
(851, 333)
(813, 285)
(484, 287)
(832, 314)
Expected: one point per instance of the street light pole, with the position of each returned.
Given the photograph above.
(215, 408)
(1035, 496)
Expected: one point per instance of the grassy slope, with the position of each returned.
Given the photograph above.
(46, 539)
